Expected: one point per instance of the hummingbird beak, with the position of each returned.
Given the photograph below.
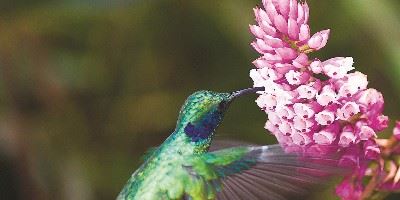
(239, 93)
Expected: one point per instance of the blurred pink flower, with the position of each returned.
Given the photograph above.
(396, 130)
(350, 189)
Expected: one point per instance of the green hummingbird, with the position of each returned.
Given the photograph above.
(184, 168)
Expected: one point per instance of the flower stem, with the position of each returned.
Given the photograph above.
(370, 188)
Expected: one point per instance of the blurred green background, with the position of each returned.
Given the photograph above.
(86, 86)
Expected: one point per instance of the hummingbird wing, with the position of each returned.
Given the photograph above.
(261, 172)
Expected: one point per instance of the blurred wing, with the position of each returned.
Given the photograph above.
(219, 144)
(266, 172)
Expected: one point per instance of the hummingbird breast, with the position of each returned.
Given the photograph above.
(163, 174)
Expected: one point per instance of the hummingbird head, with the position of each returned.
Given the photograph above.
(203, 111)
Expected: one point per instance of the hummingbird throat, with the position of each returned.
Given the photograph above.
(204, 128)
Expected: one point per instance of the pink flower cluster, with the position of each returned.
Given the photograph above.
(310, 102)
(384, 171)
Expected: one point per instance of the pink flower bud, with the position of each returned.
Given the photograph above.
(366, 132)
(306, 13)
(273, 88)
(296, 78)
(347, 90)
(303, 13)
(281, 24)
(284, 97)
(325, 117)
(266, 101)
(263, 76)
(285, 112)
(283, 6)
(270, 8)
(327, 96)
(257, 31)
(317, 85)
(372, 150)
(274, 119)
(257, 78)
(272, 58)
(379, 123)
(261, 63)
(324, 137)
(283, 68)
(304, 33)
(319, 40)
(338, 67)
(301, 61)
(261, 47)
(347, 136)
(287, 53)
(270, 127)
(358, 80)
(283, 139)
(316, 66)
(369, 97)
(306, 92)
(348, 110)
(269, 74)
(303, 110)
(285, 128)
(300, 138)
(273, 42)
(301, 124)
(293, 29)
(261, 16)
(293, 10)
(268, 29)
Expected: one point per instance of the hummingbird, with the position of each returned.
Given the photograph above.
(183, 167)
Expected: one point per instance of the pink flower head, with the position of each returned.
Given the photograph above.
(302, 109)
(333, 112)
(283, 34)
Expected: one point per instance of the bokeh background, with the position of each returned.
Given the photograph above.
(86, 86)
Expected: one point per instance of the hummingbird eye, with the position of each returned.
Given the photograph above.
(222, 105)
